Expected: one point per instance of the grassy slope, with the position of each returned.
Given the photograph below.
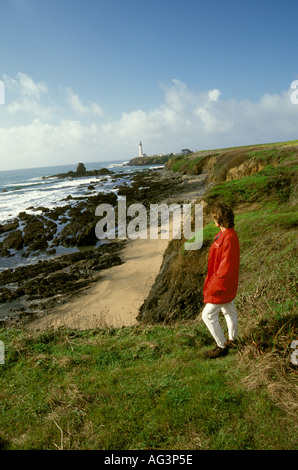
(149, 386)
(133, 388)
(219, 162)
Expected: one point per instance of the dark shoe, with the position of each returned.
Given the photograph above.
(217, 352)
(231, 343)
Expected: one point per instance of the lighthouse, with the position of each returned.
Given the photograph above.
(140, 149)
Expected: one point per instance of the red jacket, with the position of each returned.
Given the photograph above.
(221, 282)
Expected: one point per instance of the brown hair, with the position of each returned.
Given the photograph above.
(223, 215)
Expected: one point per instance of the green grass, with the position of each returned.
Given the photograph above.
(185, 163)
(270, 185)
(131, 388)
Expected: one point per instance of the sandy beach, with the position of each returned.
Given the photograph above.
(114, 301)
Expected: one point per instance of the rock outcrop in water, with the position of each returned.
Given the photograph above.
(81, 171)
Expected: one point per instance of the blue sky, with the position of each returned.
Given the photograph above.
(87, 79)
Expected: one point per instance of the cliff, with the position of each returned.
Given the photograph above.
(234, 163)
(153, 160)
(260, 184)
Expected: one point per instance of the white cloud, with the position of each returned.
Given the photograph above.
(31, 88)
(25, 86)
(77, 106)
(42, 144)
(214, 95)
(185, 119)
(35, 100)
(29, 106)
(29, 96)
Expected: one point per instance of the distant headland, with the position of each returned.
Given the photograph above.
(150, 160)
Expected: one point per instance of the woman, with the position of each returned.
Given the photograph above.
(221, 282)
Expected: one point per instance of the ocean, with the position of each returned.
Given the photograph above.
(22, 189)
(28, 189)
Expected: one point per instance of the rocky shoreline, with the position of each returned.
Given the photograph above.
(63, 241)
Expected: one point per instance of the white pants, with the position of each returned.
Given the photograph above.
(210, 317)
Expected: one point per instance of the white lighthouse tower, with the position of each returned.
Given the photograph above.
(140, 150)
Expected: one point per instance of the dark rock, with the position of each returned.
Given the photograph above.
(14, 240)
(9, 226)
(177, 291)
(106, 261)
(42, 209)
(87, 236)
(55, 213)
(4, 252)
(81, 170)
(35, 234)
(80, 229)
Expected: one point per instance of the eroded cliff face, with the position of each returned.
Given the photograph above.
(245, 169)
(177, 291)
